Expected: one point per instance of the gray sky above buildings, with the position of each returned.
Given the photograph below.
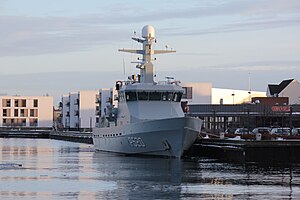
(59, 46)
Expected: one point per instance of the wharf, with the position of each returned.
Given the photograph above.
(263, 151)
(72, 136)
(18, 133)
(269, 150)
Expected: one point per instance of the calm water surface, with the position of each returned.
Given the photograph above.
(51, 169)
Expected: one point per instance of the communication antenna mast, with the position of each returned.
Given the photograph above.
(145, 63)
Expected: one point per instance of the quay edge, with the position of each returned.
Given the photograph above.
(74, 136)
(246, 151)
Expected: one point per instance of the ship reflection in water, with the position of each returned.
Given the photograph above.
(50, 169)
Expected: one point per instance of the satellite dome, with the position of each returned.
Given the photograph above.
(148, 32)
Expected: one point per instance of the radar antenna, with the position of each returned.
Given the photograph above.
(146, 66)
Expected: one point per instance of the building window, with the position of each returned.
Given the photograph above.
(187, 93)
(23, 102)
(16, 102)
(4, 113)
(16, 112)
(33, 122)
(4, 122)
(31, 112)
(23, 122)
(97, 98)
(35, 103)
(6, 102)
(22, 113)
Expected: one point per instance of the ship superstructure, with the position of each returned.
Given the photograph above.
(149, 118)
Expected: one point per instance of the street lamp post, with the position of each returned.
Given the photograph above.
(291, 120)
(90, 124)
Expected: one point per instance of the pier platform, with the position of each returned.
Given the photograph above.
(16, 133)
(232, 150)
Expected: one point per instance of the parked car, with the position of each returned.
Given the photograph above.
(296, 131)
(230, 130)
(261, 130)
(281, 131)
(242, 131)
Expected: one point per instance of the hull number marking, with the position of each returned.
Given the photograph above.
(136, 142)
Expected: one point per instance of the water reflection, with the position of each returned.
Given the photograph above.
(50, 169)
(134, 176)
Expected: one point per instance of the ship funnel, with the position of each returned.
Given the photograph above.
(148, 32)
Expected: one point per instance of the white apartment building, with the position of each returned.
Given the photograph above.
(26, 111)
(84, 109)
(204, 93)
(107, 100)
(233, 96)
(197, 93)
(79, 109)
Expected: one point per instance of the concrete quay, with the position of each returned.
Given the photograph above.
(245, 151)
(18, 133)
(274, 150)
(72, 136)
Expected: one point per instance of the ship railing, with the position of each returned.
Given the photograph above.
(168, 82)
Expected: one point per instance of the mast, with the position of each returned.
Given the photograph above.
(145, 65)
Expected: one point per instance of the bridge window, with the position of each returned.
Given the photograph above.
(131, 96)
(177, 96)
(167, 96)
(154, 96)
(143, 96)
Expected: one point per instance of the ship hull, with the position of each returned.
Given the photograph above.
(163, 137)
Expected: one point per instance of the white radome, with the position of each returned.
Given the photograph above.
(148, 32)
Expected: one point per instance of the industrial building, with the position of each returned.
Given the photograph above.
(279, 108)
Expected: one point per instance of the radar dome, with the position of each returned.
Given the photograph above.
(148, 32)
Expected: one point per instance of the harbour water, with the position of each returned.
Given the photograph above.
(53, 169)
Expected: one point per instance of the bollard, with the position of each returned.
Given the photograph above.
(258, 136)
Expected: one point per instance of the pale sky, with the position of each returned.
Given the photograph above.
(219, 41)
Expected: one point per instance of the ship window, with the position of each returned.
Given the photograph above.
(155, 96)
(177, 96)
(131, 96)
(167, 96)
(143, 96)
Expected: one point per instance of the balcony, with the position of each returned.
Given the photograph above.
(76, 102)
(98, 100)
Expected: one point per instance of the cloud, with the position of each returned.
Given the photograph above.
(259, 66)
(31, 35)
(25, 35)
